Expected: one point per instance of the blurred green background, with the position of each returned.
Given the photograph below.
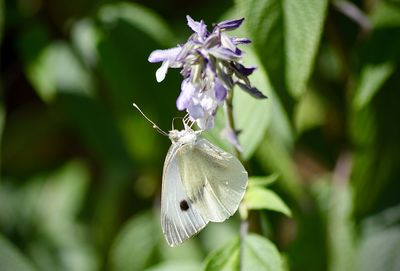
(81, 169)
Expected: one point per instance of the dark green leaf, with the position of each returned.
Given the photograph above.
(11, 259)
(286, 35)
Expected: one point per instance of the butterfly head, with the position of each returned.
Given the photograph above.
(186, 136)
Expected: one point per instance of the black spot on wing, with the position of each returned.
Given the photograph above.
(184, 205)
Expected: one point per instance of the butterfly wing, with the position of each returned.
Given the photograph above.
(215, 181)
(179, 219)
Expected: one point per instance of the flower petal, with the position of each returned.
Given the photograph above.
(232, 137)
(199, 27)
(227, 42)
(186, 95)
(195, 111)
(206, 122)
(237, 41)
(163, 55)
(252, 91)
(220, 90)
(162, 71)
(243, 70)
(223, 53)
(230, 24)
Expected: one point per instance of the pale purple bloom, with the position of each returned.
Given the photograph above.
(209, 63)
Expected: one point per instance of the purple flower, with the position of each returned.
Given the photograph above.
(210, 66)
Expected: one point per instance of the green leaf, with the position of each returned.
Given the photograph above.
(373, 76)
(96, 128)
(57, 69)
(264, 24)
(85, 36)
(139, 16)
(286, 35)
(262, 181)
(11, 258)
(224, 259)
(258, 254)
(380, 250)
(275, 157)
(341, 231)
(386, 14)
(65, 190)
(134, 244)
(309, 112)
(252, 115)
(304, 21)
(257, 198)
(175, 266)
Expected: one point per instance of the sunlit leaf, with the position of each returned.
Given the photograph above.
(65, 190)
(57, 69)
(141, 17)
(372, 78)
(135, 244)
(258, 254)
(175, 266)
(341, 238)
(304, 21)
(85, 36)
(262, 181)
(11, 259)
(257, 198)
(252, 115)
(286, 35)
(224, 259)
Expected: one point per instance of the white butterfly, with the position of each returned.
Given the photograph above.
(201, 183)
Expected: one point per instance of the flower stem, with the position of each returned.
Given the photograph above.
(244, 223)
(231, 121)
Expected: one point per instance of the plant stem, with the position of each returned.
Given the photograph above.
(231, 121)
(244, 223)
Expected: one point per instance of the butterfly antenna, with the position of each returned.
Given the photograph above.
(173, 121)
(158, 129)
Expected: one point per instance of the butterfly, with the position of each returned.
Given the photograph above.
(201, 183)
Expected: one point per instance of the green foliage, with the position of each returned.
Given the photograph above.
(257, 252)
(81, 168)
(11, 258)
(257, 198)
(286, 35)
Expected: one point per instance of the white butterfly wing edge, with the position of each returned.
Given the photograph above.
(177, 225)
(220, 189)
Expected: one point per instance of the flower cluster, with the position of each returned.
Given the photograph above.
(210, 69)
